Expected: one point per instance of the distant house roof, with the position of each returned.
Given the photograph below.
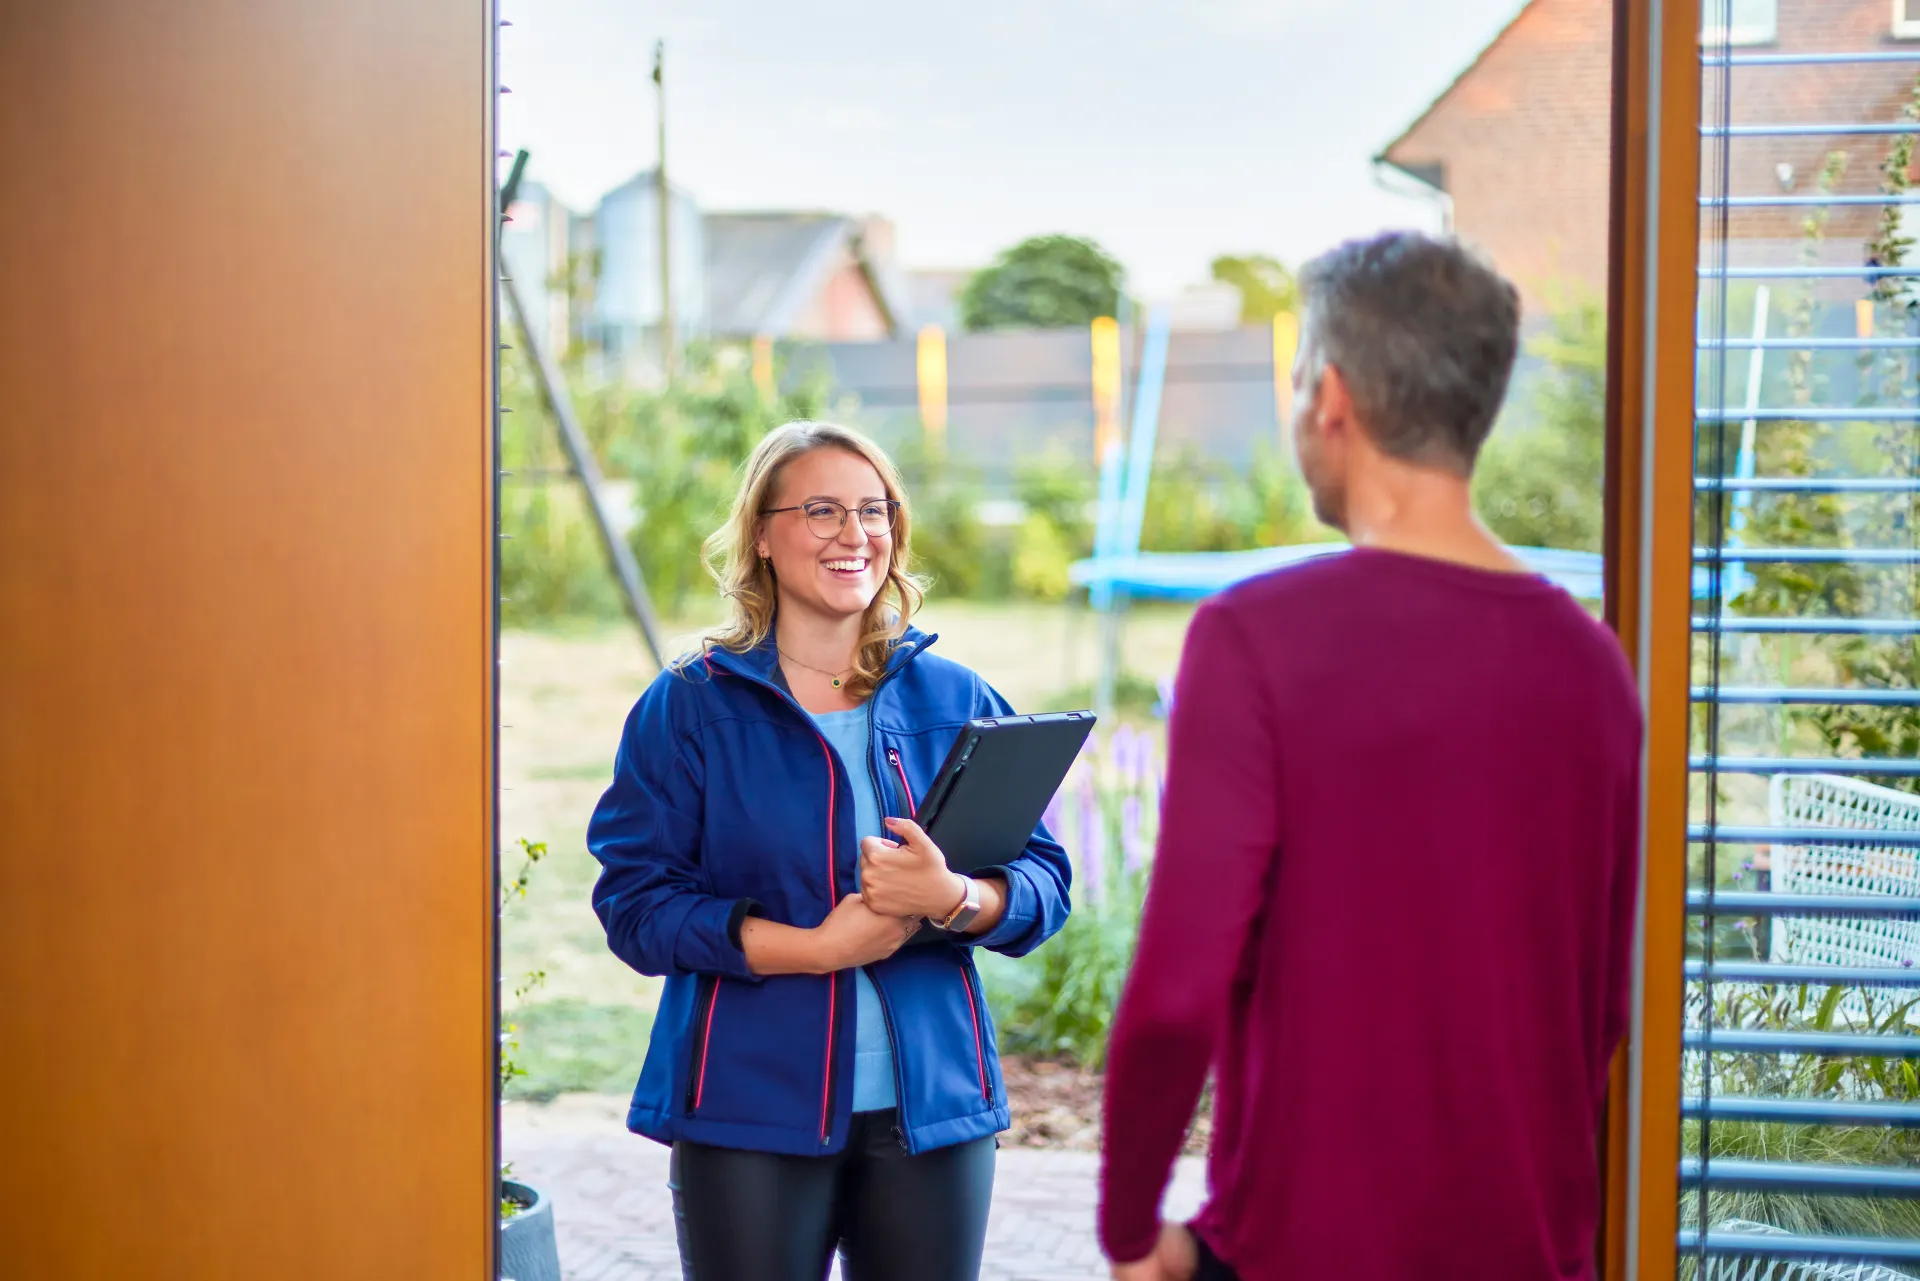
(1434, 175)
(765, 269)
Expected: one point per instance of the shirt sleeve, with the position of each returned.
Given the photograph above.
(1218, 831)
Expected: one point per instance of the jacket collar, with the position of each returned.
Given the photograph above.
(763, 660)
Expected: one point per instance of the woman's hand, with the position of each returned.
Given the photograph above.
(908, 876)
(854, 935)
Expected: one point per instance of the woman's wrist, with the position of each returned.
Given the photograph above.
(993, 905)
(823, 949)
(961, 886)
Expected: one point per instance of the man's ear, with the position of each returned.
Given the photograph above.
(1334, 403)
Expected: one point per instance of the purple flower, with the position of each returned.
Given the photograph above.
(1122, 745)
(1142, 761)
(1164, 708)
(1906, 962)
(1056, 810)
(1092, 855)
(1130, 844)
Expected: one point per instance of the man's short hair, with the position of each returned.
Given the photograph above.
(1424, 332)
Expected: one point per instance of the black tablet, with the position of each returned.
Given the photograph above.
(989, 795)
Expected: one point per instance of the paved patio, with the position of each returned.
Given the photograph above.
(615, 1220)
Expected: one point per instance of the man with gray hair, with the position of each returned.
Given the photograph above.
(1392, 908)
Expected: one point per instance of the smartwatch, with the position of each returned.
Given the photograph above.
(962, 915)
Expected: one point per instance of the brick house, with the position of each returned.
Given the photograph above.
(1517, 146)
(804, 275)
(822, 277)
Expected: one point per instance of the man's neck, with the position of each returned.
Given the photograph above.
(1422, 511)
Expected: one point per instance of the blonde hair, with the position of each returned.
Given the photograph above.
(748, 583)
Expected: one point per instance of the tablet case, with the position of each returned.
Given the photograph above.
(997, 780)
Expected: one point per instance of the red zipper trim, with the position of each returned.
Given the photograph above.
(833, 983)
(979, 1046)
(905, 790)
(706, 1039)
(973, 1010)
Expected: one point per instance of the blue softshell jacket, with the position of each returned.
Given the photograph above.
(726, 802)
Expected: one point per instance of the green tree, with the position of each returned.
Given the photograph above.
(1046, 282)
(1267, 288)
(1542, 486)
(681, 447)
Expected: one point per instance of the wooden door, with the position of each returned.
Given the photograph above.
(246, 639)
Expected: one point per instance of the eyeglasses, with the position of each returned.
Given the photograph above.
(827, 518)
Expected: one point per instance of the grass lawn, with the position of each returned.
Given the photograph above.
(564, 696)
(569, 1046)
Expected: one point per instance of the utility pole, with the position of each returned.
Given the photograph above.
(664, 206)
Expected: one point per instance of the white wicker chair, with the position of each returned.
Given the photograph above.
(1758, 1268)
(1829, 800)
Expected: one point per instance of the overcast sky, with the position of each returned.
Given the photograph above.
(1168, 130)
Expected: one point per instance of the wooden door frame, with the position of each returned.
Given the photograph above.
(1649, 567)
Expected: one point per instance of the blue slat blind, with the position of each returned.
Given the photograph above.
(1802, 1045)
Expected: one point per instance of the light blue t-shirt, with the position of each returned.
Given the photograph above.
(873, 1085)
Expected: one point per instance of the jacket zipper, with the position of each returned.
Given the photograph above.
(702, 1035)
(833, 981)
(893, 1045)
(902, 1129)
(893, 754)
(833, 881)
(973, 1009)
(979, 1045)
(833, 901)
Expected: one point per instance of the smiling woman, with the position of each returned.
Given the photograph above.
(750, 859)
(789, 542)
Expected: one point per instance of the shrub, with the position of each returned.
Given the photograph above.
(1057, 491)
(1804, 1008)
(1200, 504)
(953, 550)
(1542, 485)
(681, 447)
(552, 564)
(510, 1068)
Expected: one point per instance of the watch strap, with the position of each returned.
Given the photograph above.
(968, 909)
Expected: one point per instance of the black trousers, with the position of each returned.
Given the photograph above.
(1211, 1268)
(758, 1216)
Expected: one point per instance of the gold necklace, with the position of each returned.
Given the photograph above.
(835, 678)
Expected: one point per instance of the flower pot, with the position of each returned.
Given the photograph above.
(527, 1248)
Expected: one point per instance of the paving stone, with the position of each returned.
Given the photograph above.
(614, 1217)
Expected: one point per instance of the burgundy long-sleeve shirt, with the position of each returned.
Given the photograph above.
(1392, 910)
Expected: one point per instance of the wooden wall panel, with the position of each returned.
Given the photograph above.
(246, 645)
